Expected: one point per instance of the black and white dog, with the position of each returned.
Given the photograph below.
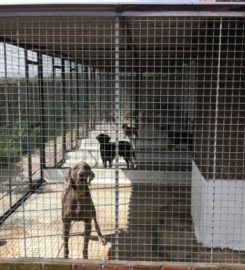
(108, 151)
(130, 131)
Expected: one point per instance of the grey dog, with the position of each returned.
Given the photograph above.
(77, 205)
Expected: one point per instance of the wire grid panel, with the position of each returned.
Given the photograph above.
(154, 105)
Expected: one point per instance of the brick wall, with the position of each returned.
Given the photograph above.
(38, 264)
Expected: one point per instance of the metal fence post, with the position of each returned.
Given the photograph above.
(42, 115)
(117, 126)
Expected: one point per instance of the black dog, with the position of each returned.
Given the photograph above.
(77, 205)
(178, 137)
(108, 151)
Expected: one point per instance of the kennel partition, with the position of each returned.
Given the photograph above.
(171, 73)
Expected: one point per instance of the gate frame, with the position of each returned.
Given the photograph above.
(117, 12)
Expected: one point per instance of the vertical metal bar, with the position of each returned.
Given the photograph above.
(7, 124)
(85, 99)
(55, 110)
(42, 115)
(135, 81)
(215, 132)
(97, 94)
(90, 95)
(71, 121)
(28, 120)
(117, 126)
(63, 106)
(20, 128)
(101, 91)
(77, 104)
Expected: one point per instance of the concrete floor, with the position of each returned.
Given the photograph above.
(154, 224)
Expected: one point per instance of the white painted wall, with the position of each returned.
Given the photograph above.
(218, 211)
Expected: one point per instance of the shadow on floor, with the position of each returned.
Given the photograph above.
(160, 229)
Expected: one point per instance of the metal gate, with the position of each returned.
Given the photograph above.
(165, 94)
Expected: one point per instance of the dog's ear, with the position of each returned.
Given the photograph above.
(106, 138)
(90, 177)
(73, 170)
(90, 174)
(68, 179)
(99, 137)
(69, 172)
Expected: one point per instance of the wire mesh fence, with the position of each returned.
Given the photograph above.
(154, 106)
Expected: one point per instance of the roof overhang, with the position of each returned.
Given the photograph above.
(37, 20)
(120, 8)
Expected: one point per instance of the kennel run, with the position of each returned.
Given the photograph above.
(168, 79)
